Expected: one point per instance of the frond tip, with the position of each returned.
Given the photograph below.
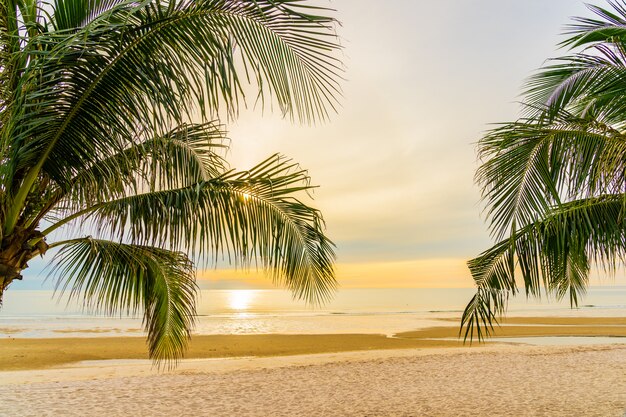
(118, 278)
(251, 216)
(481, 313)
(552, 255)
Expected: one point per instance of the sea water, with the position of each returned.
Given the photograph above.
(28, 313)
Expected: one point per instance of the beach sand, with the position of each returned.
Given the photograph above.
(18, 354)
(327, 375)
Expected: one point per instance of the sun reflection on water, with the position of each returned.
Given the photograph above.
(240, 299)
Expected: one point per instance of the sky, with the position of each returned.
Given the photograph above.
(395, 165)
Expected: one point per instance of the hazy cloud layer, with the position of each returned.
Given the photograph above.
(424, 80)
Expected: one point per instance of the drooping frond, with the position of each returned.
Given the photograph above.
(556, 180)
(250, 216)
(533, 164)
(117, 278)
(609, 27)
(516, 179)
(552, 254)
(71, 15)
(181, 157)
(9, 69)
(586, 85)
(96, 103)
(482, 312)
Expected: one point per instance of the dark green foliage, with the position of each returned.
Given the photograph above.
(555, 181)
(97, 106)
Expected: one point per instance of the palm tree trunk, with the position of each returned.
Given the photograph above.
(6, 279)
(7, 275)
(4, 284)
(17, 250)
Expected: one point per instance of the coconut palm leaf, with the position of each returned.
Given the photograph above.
(248, 216)
(592, 81)
(533, 164)
(181, 157)
(71, 15)
(117, 278)
(551, 255)
(555, 180)
(610, 25)
(584, 85)
(147, 72)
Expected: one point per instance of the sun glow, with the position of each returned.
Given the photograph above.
(240, 299)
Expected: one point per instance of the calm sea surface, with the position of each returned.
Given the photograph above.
(387, 311)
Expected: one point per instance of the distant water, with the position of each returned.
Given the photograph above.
(37, 314)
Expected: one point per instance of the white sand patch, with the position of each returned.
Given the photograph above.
(490, 381)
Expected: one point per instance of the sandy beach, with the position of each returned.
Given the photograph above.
(490, 381)
(420, 373)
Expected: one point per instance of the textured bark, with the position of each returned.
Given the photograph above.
(17, 249)
(8, 273)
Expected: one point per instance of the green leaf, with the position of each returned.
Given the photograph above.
(251, 216)
(150, 65)
(117, 278)
(96, 103)
(552, 254)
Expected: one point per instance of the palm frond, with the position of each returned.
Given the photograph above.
(250, 216)
(533, 164)
(9, 68)
(96, 99)
(184, 156)
(181, 157)
(591, 81)
(556, 179)
(482, 313)
(117, 278)
(552, 254)
(71, 15)
(585, 85)
(150, 70)
(609, 27)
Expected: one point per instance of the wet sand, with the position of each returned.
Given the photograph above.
(45, 353)
(33, 353)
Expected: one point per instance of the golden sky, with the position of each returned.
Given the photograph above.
(421, 273)
(395, 165)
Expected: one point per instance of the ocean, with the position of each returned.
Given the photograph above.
(28, 313)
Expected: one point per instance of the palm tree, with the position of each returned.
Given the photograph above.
(97, 106)
(555, 180)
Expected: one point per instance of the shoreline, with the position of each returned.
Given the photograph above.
(44, 353)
